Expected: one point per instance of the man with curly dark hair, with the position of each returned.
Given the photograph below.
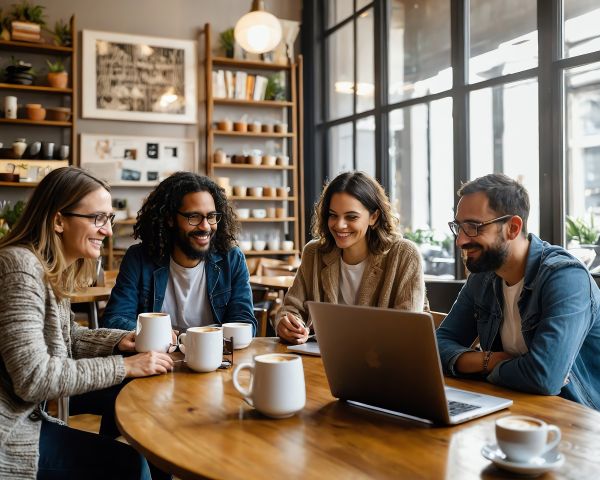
(187, 264)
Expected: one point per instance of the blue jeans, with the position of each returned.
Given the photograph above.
(67, 453)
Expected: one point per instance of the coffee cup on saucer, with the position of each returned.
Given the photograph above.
(523, 439)
(240, 332)
(277, 387)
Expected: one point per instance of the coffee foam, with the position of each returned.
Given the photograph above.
(154, 314)
(519, 424)
(276, 359)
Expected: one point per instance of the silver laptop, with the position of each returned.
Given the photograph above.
(308, 348)
(388, 360)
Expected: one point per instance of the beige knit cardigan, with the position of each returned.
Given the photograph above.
(393, 279)
(44, 355)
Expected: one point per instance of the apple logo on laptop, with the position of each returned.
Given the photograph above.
(372, 359)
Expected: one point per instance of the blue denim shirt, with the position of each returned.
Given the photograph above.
(560, 322)
(142, 282)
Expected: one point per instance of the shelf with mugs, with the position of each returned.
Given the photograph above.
(35, 88)
(252, 134)
(30, 98)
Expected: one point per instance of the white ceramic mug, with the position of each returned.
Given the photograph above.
(203, 348)
(524, 438)
(277, 386)
(240, 332)
(153, 332)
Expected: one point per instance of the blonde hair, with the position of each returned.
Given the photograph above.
(61, 190)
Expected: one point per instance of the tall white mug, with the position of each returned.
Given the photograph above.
(277, 386)
(203, 348)
(153, 332)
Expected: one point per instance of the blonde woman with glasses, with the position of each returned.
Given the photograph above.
(44, 354)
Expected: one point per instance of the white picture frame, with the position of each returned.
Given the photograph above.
(136, 161)
(116, 77)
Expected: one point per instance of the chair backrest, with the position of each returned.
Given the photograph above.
(438, 318)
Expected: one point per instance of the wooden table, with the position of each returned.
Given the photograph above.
(280, 282)
(91, 295)
(196, 426)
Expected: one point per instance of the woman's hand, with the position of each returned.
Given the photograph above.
(148, 363)
(127, 343)
(292, 329)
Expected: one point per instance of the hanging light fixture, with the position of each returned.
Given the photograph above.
(258, 31)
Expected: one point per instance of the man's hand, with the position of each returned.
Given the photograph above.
(127, 343)
(292, 329)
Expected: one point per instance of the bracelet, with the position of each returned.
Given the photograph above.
(486, 361)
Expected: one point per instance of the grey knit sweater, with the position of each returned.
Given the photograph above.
(44, 355)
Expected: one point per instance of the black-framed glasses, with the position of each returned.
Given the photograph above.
(100, 219)
(471, 229)
(195, 219)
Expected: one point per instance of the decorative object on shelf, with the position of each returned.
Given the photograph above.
(27, 21)
(287, 245)
(243, 212)
(10, 107)
(33, 150)
(4, 27)
(124, 160)
(19, 146)
(19, 72)
(59, 114)
(227, 40)
(258, 31)
(35, 112)
(281, 128)
(57, 75)
(48, 150)
(114, 85)
(62, 34)
(275, 88)
(9, 175)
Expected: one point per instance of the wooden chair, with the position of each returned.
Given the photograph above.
(438, 318)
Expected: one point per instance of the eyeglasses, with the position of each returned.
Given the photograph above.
(100, 219)
(196, 219)
(471, 229)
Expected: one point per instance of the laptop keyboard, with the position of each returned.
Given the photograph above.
(458, 407)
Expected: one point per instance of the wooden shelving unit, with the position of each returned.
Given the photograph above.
(276, 175)
(69, 94)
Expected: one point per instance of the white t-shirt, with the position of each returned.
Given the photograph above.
(186, 300)
(510, 333)
(350, 277)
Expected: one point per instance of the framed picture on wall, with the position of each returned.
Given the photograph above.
(138, 78)
(126, 160)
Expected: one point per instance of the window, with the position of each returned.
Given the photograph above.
(431, 93)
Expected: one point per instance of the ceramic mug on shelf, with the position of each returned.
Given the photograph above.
(277, 387)
(153, 332)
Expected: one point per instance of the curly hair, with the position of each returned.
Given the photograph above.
(155, 220)
(371, 194)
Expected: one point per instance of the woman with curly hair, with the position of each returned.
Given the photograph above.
(187, 264)
(357, 257)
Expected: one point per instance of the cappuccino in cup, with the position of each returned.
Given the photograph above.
(524, 438)
(203, 348)
(153, 332)
(277, 387)
(240, 332)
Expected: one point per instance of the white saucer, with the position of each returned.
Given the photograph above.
(546, 463)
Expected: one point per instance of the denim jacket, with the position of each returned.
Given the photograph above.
(560, 322)
(142, 282)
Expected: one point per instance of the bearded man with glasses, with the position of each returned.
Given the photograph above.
(187, 264)
(534, 307)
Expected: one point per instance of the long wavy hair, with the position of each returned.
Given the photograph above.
(156, 220)
(60, 190)
(371, 194)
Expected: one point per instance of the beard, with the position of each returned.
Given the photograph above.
(490, 258)
(184, 241)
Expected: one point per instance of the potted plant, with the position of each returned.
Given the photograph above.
(27, 21)
(62, 34)
(10, 215)
(57, 76)
(275, 88)
(582, 236)
(227, 42)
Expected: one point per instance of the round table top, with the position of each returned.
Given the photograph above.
(280, 282)
(195, 425)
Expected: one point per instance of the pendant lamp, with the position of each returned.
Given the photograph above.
(258, 31)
